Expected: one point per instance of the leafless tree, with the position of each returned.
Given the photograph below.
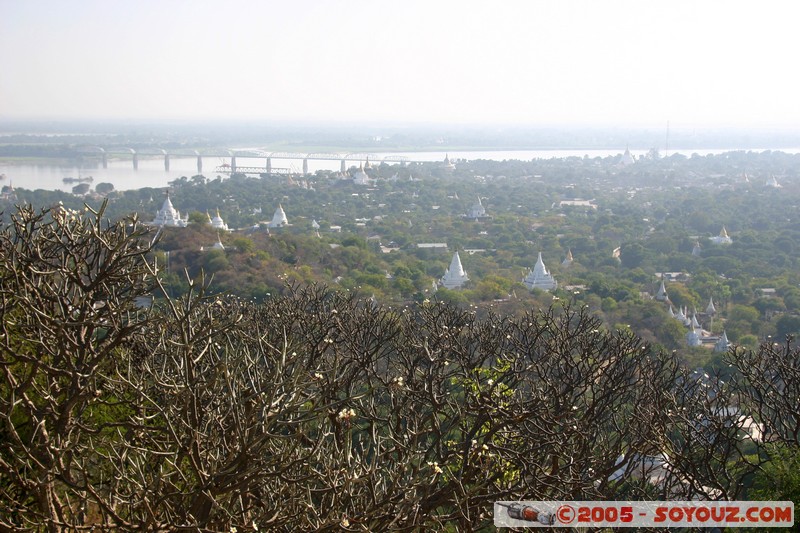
(318, 410)
(769, 386)
(68, 284)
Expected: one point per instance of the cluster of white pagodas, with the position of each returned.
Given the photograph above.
(539, 278)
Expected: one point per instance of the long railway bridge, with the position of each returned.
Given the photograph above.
(236, 158)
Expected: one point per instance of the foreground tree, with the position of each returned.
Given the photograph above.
(317, 410)
(68, 285)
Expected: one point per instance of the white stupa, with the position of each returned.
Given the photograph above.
(361, 177)
(711, 310)
(219, 224)
(627, 158)
(477, 210)
(722, 238)
(455, 276)
(568, 259)
(539, 277)
(723, 343)
(169, 216)
(279, 218)
(661, 295)
(693, 337)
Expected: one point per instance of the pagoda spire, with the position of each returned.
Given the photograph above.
(710, 309)
(661, 295)
(455, 276)
(539, 277)
(568, 259)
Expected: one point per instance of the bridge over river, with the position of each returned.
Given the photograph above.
(241, 161)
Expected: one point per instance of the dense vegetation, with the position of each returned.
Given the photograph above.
(654, 211)
(319, 410)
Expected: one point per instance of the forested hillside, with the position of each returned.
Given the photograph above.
(624, 225)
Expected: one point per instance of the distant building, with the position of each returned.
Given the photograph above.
(219, 224)
(626, 159)
(539, 277)
(711, 310)
(169, 216)
(577, 203)
(686, 320)
(279, 219)
(723, 343)
(8, 194)
(455, 276)
(722, 238)
(361, 177)
(693, 337)
(448, 165)
(218, 245)
(661, 294)
(568, 259)
(477, 210)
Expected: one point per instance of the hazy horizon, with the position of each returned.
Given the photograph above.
(611, 64)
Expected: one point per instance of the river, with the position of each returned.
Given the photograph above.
(151, 172)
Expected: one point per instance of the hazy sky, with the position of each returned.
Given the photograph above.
(609, 62)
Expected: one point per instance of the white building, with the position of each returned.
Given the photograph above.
(361, 177)
(661, 295)
(477, 210)
(455, 276)
(723, 343)
(693, 337)
(539, 277)
(711, 310)
(627, 158)
(722, 238)
(279, 219)
(219, 224)
(448, 165)
(169, 216)
(568, 259)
